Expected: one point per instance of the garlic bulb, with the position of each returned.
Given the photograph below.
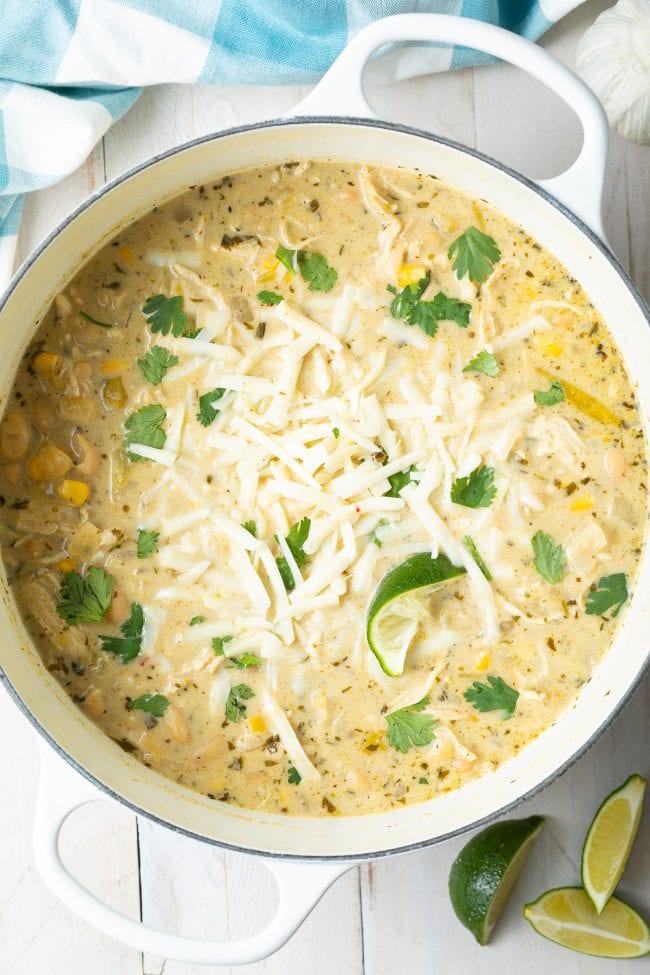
(613, 57)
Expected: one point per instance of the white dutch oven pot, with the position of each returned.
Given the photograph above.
(307, 855)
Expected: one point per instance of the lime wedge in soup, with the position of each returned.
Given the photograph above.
(398, 606)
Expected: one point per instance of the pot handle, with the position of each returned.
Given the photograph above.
(340, 92)
(300, 885)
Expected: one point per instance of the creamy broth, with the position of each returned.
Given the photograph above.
(337, 405)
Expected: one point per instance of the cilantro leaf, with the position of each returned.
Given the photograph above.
(244, 661)
(286, 257)
(155, 704)
(147, 543)
(550, 559)
(145, 427)
(156, 363)
(496, 695)
(217, 644)
(483, 362)
(554, 394)
(313, 267)
(235, 710)
(251, 528)
(407, 304)
(85, 600)
(476, 555)
(269, 297)
(166, 314)
(336, 432)
(294, 777)
(477, 490)
(197, 619)
(126, 647)
(474, 254)
(296, 538)
(94, 321)
(398, 481)
(610, 593)
(408, 727)
(207, 412)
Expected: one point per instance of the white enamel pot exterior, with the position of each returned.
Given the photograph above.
(306, 855)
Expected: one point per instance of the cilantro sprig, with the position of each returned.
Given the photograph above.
(549, 397)
(145, 427)
(477, 490)
(251, 527)
(156, 363)
(207, 410)
(476, 555)
(235, 708)
(407, 726)
(496, 695)
(166, 315)
(408, 305)
(196, 620)
(244, 661)
(147, 543)
(610, 593)
(313, 267)
(85, 600)
(217, 644)
(398, 481)
(293, 776)
(296, 538)
(154, 704)
(550, 559)
(127, 646)
(474, 254)
(269, 298)
(483, 362)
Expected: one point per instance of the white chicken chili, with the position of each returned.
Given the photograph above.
(322, 489)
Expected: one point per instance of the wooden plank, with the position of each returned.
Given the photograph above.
(417, 930)
(98, 843)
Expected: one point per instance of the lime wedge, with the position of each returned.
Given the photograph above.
(398, 606)
(610, 840)
(485, 871)
(567, 917)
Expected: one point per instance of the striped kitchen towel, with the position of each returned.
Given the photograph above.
(70, 68)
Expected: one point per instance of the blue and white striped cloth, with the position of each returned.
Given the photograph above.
(70, 68)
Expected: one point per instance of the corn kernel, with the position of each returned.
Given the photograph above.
(74, 492)
(114, 365)
(257, 723)
(126, 253)
(270, 265)
(410, 274)
(375, 741)
(66, 565)
(553, 349)
(48, 462)
(482, 661)
(582, 503)
(51, 367)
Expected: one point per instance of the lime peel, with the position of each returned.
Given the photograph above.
(397, 606)
(485, 871)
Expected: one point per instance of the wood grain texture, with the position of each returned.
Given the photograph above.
(393, 915)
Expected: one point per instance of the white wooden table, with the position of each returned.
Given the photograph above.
(393, 915)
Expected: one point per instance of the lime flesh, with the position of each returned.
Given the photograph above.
(567, 917)
(485, 871)
(609, 840)
(397, 606)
